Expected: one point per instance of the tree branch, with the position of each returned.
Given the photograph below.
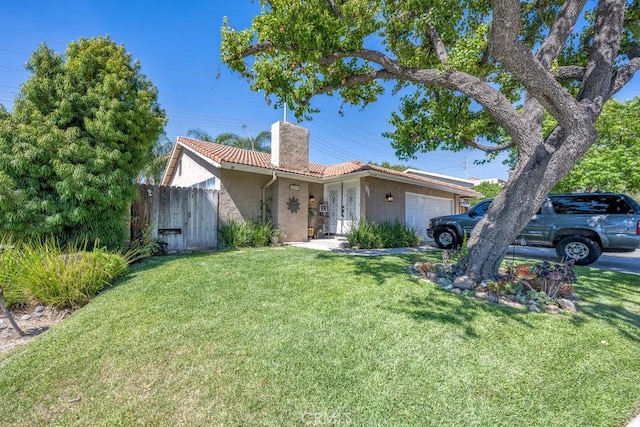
(569, 72)
(438, 45)
(551, 48)
(488, 148)
(257, 48)
(624, 75)
(560, 31)
(596, 85)
(519, 60)
(491, 99)
(335, 9)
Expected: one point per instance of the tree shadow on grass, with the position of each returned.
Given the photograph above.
(437, 305)
(460, 311)
(613, 298)
(378, 269)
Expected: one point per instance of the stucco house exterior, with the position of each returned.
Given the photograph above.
(305, 199)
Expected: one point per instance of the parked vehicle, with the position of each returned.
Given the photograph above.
(578, 226)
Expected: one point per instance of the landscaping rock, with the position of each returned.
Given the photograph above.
(512, 304)
(567, 304)
(26, 317)
(534, 308)
(39, 309)
(484, 283)
(456, 290)
(552, 309)
(444, 282)
(464, 282)
(482, 295)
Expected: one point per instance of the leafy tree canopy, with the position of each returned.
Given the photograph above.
(468, 74)
(80, 132)
(613, 162)
(388, 165)
(488, 190)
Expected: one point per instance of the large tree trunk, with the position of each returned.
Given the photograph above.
(531, 180)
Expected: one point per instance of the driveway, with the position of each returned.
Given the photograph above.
(621, 262)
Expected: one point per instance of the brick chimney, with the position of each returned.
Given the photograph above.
(290, 146)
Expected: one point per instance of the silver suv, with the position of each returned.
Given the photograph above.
(579, 225)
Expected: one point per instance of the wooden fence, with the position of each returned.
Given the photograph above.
(184, 218)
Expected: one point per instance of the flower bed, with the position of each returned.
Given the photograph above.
(537, 286)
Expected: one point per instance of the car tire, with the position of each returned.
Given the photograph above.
(445, 238)
(582, 249)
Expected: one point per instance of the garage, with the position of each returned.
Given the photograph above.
(419, 209)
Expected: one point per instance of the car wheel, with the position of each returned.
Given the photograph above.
(582, 249)
(445, 238)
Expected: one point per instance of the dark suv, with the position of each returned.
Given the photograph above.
(578, 226)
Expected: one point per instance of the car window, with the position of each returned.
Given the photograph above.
(480, 209)
(590, 205)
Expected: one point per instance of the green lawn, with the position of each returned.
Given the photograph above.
(289, 336)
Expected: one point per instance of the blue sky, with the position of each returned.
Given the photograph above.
(178, 46)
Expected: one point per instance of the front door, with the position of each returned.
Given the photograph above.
(343, 200)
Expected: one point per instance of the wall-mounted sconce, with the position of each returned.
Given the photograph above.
(389, 197)
(294, 187)
(312, 199)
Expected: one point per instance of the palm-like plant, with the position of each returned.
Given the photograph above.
(261, 142)
(156, 161)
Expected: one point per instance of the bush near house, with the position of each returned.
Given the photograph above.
(374, 235)
(237, 234)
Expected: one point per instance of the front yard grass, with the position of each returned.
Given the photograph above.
(290, 336)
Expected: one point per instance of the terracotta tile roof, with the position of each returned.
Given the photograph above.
(224, 153)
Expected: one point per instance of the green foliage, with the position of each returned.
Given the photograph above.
(388, 165)
(375, 235)
(303, 48)
(237, 234)
(156, 161)
(47, 273)
(145, 246)
(489, 190)
(613, 162)
(9, 262)
(261, 142)
(80, 133)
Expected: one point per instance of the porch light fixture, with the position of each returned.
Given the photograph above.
(312, 199)
(389, 197)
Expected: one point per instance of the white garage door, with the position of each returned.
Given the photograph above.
(419, 209)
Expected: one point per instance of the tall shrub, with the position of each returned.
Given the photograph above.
(80, 132)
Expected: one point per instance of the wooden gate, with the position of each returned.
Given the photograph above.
(184, 218)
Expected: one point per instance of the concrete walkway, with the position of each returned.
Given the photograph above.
(339, 244)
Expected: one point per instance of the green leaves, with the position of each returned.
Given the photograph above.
(613, 162)
(79, 135)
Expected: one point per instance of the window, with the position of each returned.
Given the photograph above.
(209, 184)
(480, 209)
(590, 205)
